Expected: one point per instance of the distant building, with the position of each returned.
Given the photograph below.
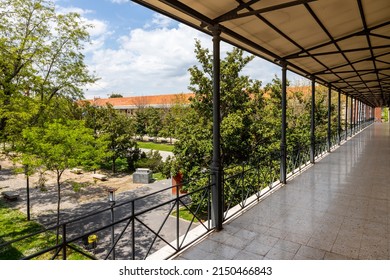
(129, 105)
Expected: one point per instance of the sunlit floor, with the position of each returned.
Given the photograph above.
(337, 209)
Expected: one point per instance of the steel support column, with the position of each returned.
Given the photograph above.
(351, 122)
(360, 114)
(312, 121)
(217, 188)
(346, 117)
(339, 118)
(329, 136)
(283, 145)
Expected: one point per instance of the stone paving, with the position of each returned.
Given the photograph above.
(339, 209)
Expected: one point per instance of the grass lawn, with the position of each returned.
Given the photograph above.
(158, 176)
(14, 224)
(185, 214)
(155, 146)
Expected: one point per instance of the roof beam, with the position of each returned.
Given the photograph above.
(359, 33)
(354, 62)
(363, 17)
(325, 30)
(235, 15)
(189, 11)
(337, 52)
(360, 70)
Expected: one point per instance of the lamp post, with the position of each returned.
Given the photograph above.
(111, 200)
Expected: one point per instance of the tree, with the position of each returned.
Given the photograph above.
(168, 125)
(40, 55)
(153, 121)
(194, 130)
(60, 146)
(117, 129)
(115, 95)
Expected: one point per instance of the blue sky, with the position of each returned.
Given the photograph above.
(136, 51)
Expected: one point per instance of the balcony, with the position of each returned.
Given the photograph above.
(339, 208)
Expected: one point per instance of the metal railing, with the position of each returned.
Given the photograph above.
(244, 185)
(136, 228)
(141, 226)
(297, 159)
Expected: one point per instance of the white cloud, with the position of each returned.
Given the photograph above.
(155, 60)
(147, 61)
(65, 10)
(159, 21)
(119, 1)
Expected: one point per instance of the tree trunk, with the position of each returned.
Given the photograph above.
(113, 165)
(58, 209)
(130, 164)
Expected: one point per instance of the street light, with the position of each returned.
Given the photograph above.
(111, 200)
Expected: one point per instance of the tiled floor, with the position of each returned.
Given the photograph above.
(337, 209)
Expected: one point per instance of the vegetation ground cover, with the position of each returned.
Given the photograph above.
(155, 146)
(13, 225)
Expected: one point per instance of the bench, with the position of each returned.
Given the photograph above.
(10, 195)
(76, 171)
(100, 177)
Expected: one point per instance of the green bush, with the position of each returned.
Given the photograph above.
(151, 160)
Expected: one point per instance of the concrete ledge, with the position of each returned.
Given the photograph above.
(100, 177)
(76, 171)
(167, 251)
(10, 195)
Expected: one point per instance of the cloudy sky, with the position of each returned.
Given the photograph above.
(136, 51)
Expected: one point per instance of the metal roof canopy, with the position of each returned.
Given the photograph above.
(345, 44)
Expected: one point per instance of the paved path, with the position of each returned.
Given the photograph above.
(158, 220)
(337, 209)
(163, 154)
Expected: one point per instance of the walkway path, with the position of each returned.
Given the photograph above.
(337, 209)
(43, 204)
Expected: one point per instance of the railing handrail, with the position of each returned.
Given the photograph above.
(242, 170)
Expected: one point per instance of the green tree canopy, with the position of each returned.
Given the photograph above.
(40, 55)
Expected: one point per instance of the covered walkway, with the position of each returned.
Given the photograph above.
(337, 209)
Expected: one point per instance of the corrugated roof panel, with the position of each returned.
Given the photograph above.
(275, 29)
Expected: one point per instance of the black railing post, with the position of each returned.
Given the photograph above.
(329, 117)
(312, 121)
(283, 145)
(27, 173)
(339, 118)
(64, 241)
(112, 229)
(177, 218)
(217, 188)
(133, 229)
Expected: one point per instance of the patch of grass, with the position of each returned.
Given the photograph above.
(76, 186)
(158, 176)
(185, 214)
(155, 146)
(13, 225)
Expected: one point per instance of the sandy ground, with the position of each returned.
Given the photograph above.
(45, 199)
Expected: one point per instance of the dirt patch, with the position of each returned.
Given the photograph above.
(76, 189)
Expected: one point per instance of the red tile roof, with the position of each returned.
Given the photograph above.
(140, 101)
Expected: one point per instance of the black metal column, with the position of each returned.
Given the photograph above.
(351, 122)
(217, 189)
(283, 145)
(346, 117)
(339, 118)
(329, 136)
(360, 114)
(312, 121)
(355, 115)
